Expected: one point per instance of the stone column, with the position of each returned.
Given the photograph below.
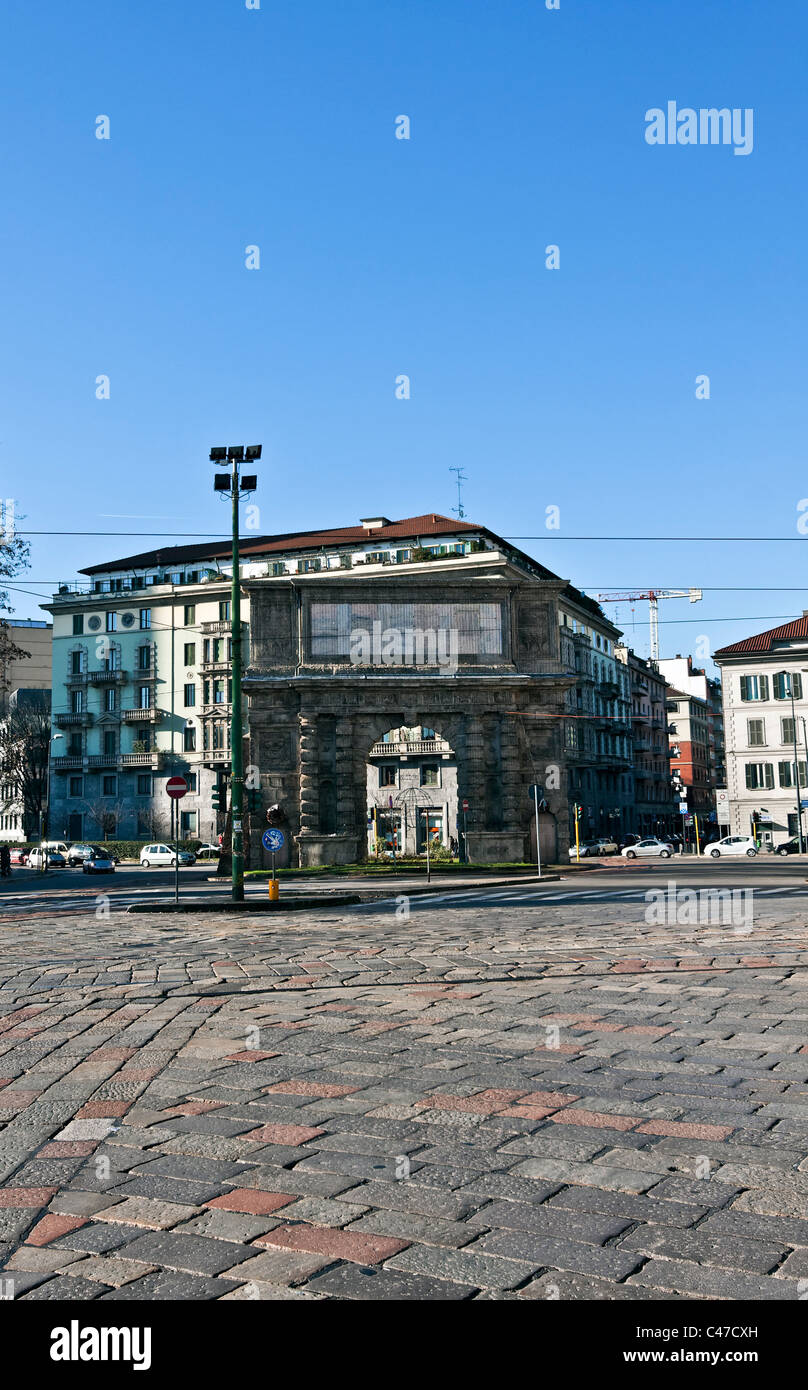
(511, 775)
(309, 794)
(472, 772)
(345, 777)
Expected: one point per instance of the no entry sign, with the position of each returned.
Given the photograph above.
(176, 787)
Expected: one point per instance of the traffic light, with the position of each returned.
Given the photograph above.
(253, 799)
(218, 795)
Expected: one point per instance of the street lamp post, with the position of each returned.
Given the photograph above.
(236, 484)
(786, 676)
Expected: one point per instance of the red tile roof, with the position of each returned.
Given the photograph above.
(764, 641)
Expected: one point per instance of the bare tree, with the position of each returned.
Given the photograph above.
(14, 555)
(24, 750)
(107, 814)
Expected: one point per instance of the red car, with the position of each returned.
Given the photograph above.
(19, 856)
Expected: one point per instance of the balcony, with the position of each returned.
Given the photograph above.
(107, 677)
(97, 760)
(150, 759)
(216, 668)
(143, 716)
(74, 719)
(214, 756)
(68, 764)
(223, 625)
(435, 747)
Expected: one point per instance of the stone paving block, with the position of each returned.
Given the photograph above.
(169, 1190)
(558, 1284)
(703, 1247)
(280, 1266)
(542, 1221)
(757, 1226)
(705, 1282)
(463, 1267)
(408, 1226)
(168, 1286)
(357, 1282)
(149, 1212)
(558, 1253)
(112, 1270)
(405, 1196)
(187, 1254)
(336, 1244)
(64, 1288)
(586, 1174)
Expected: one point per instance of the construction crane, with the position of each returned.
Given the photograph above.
(653, 596)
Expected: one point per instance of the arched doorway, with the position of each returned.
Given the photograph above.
(411, 782)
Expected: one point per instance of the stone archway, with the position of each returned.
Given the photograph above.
(411, 791)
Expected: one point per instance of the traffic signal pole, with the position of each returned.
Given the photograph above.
(236, 748)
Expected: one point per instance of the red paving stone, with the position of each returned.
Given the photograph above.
(26, 1196)
(596, 1119)
(648, 1030)
(678, 1128)
(52, 1226)
(282, 1134)
(18, 1100)
(483, 1103)
(250, 1055)
(193, 1107)
(252, 1201)
(526, 1112)
(320, 1089)
(339, 1245)
(69, 1148)
(553, 1099)
(103, 1109)
(111, 1054)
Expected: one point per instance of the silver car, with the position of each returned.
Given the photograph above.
(650, 848)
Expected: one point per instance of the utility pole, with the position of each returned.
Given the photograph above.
(236, 485)
(461, 479)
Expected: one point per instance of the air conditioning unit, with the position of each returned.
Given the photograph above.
(128, 619)
(190, 724)
(95, 622)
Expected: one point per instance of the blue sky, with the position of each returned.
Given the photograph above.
(573, 388)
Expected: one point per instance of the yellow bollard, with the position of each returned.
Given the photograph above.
(274, 887)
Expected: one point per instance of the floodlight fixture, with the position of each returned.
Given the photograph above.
(235, 453)
(252, 453)
(221, 482)
(218, 455)
(249, 482)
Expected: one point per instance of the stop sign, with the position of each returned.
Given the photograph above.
(176, 787)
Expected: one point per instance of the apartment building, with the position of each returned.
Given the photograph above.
(598, 729)
(766, 726)
(691, 680)
(25, 684)
(653, 811)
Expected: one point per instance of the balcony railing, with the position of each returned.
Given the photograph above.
(69, 764)
(143, 716)
(102, 760)
(222, 625)
(435, 746)
(74, 718)
(216, 755)
(107, 677)
(150, 759)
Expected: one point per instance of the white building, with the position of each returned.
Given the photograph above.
(766, 730)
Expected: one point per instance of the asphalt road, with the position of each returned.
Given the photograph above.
(68, 890)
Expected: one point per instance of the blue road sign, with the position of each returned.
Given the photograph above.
(273, 839)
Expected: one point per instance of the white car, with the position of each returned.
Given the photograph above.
(653, 848)
(733, 844)
(163, 856)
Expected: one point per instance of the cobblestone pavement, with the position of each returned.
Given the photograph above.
(474, 1101)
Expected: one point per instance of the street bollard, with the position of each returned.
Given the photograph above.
(274, 887)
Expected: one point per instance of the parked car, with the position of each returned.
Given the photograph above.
(791, 846)
(54, 858)
(587, 849)
(19, 856)
(208, 851)
(77, 854)
(733, 844)
(606, 845)
(164, 856)
(649, 848)
(628, 840)
(98, 861)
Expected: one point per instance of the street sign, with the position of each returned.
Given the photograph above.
(273, 840)
(683, 808)
(464, 804)
(176, 787)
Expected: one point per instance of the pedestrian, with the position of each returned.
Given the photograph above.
(453, 846)
(5, 861)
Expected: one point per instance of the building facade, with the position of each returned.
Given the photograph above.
(766, 728)
(653, 811)
(696, 734)
(598, 729)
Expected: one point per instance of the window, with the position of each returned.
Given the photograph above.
(387, 775)
(189, 614)
(144, 658)
(219, 692)
(278, 567)
(189, 740)
(144, 697)
(756, 732)
(109, 786)
(144, 784)
(78, 624)
(112, 622)
(217, 647)
(784, 683)
(143, 737)
(787, 730)
(430, 776)
(754, 687)
(427, 733)
(74, 746)
(190, 778)
(786, 774)
(224, 611)
(759, 775)
(75, 663)
(189, 653)
(77, 701)
(145, 617)
(187, 824)
(206, 649)
(110, 699)
(76, 786)
(109, 743)
(189, 694)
